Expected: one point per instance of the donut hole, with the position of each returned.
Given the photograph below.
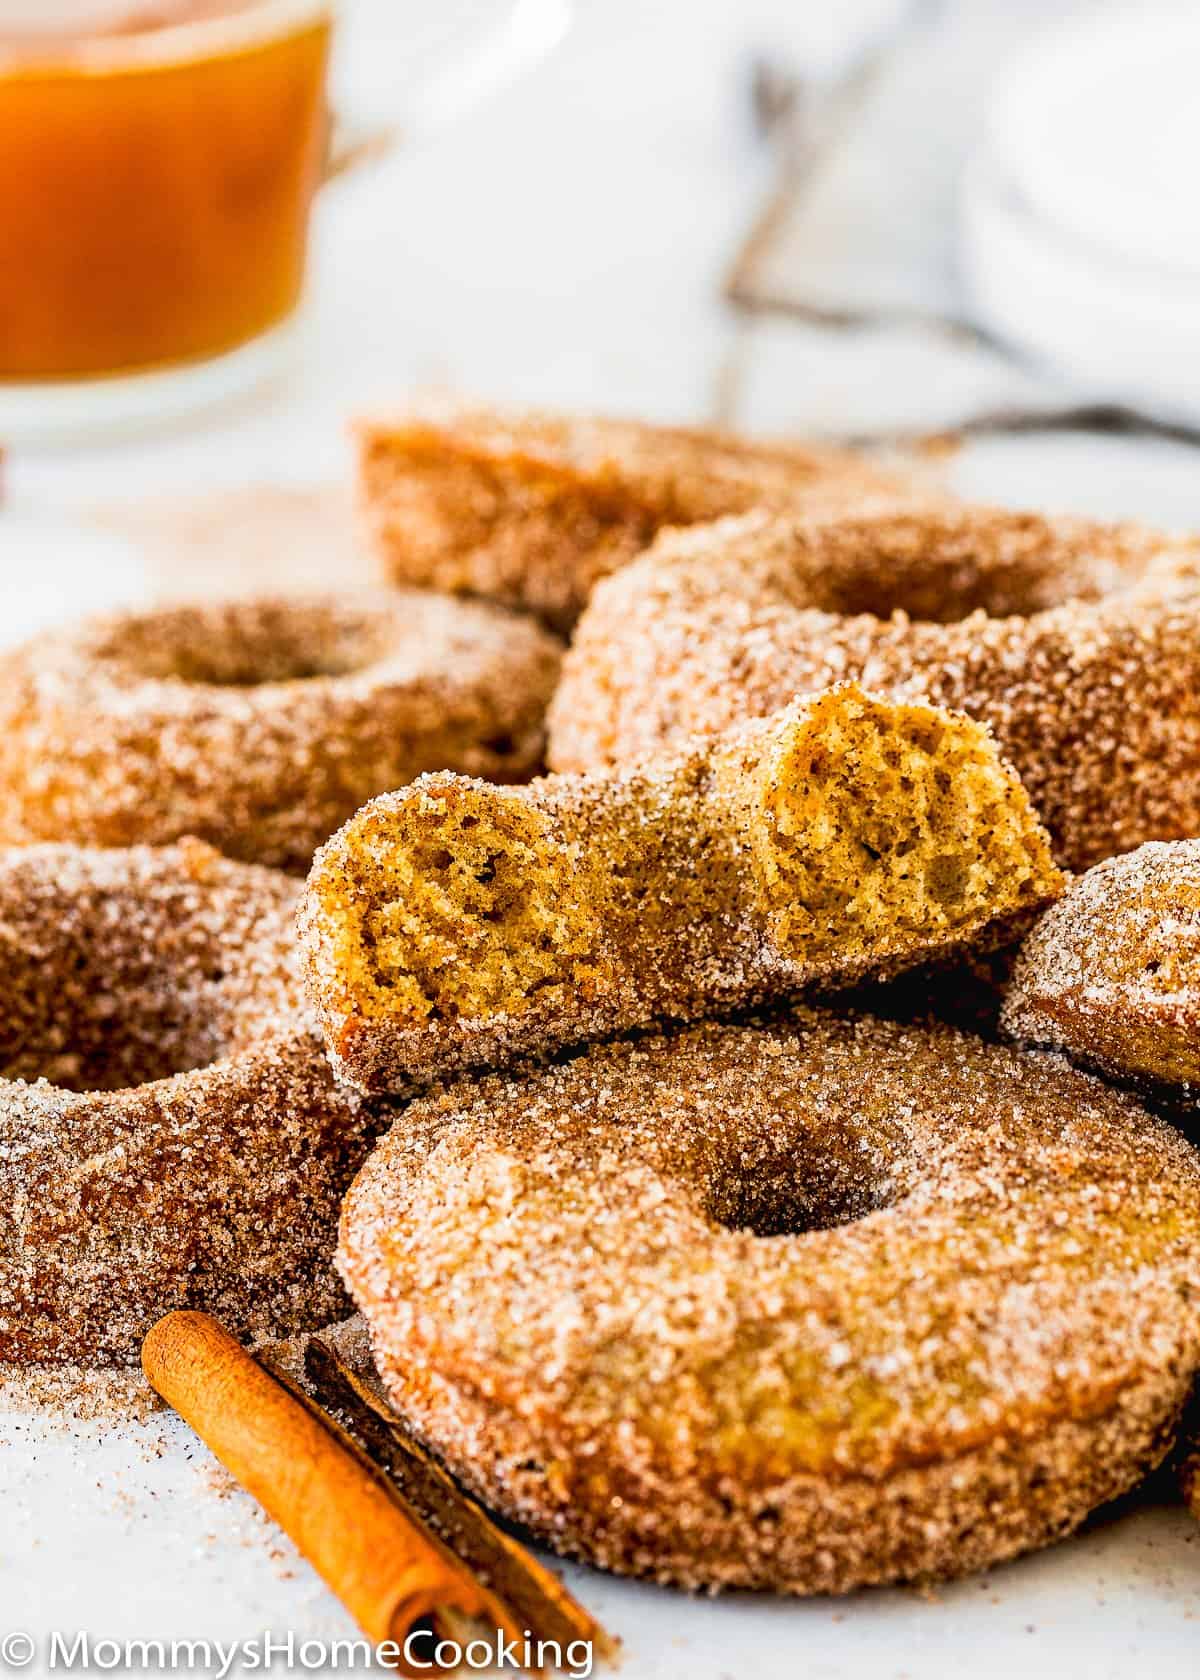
(247, 644)
(465, 908)
(882, 822)
(942, 573)
(82, 1043)
(90, 1018)
(108, 988)
(803, 1189)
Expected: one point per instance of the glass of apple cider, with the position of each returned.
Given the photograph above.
(158, 165)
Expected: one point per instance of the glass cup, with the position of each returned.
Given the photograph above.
(158, 165)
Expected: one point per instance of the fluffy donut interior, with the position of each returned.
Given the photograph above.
(879, 821)
(849, 828)
(461, 904)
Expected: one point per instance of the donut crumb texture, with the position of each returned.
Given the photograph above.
(453, 922)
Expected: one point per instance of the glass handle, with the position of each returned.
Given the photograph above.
(437, 73)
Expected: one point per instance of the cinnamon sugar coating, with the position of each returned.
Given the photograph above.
(530, 508)
(170, 1132)
(456, 924)
(1112, 974)
(261, 725)
(1078, 643)
(807, 1305)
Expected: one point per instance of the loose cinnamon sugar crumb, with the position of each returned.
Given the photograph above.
(75, 1394)
(453, 923)
(253, 540)
(81, 1393)
(808, 1304)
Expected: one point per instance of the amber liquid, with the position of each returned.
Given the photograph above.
(154, 212)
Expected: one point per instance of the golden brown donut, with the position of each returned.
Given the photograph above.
(530, 508)
(170, 1132)
(455, 924)
(806, 1306)
(1112, 974)
(1079, 643)
(261, 725)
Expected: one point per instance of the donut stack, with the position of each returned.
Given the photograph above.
(696, 1240)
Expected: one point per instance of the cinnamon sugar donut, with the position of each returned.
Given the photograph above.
(808, 1305)
(455, 924)
(1078, 642)
(530, 508)
(170, 1133)
(1112, 974)
(261, 725)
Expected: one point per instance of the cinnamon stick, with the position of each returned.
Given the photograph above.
(528, 1589)
(389, 1570)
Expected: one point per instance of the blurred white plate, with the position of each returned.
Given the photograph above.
(1080, 212)
(1098, 129)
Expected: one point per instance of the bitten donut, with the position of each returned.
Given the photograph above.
(454, 924)
(261, 725)
(1079, 643)
(170, 1132)
(807, 1306)
(531, 508)
(1112, 973)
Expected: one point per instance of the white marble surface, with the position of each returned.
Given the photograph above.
(135, 1533)
(564, 244)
